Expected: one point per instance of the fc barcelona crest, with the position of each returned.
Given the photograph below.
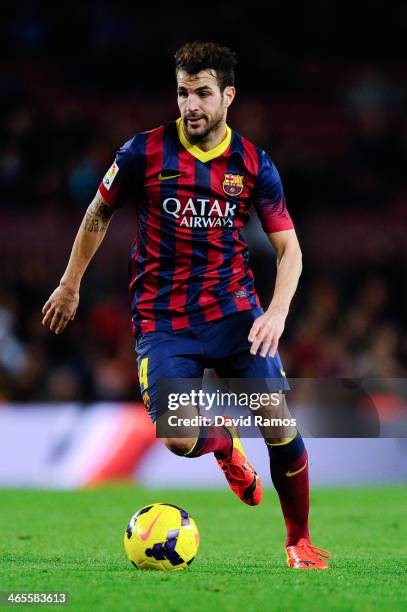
(233, 184)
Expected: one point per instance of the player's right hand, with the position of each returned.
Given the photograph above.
(60, 308)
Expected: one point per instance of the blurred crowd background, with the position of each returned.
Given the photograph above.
(325, 94)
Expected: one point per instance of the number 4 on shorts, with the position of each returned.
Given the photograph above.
(143, 373)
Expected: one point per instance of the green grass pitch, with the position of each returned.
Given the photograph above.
(72, 541)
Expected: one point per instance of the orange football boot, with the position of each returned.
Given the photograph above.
(306, 556)
(242, 478)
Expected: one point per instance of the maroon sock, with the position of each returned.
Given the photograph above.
(289, 473)
(212, 439)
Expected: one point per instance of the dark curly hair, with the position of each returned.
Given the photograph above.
(196, 56)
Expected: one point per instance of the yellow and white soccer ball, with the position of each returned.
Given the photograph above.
(161, 537)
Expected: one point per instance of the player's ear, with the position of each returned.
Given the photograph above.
(228, 96)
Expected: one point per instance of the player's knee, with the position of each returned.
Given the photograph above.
(179, 446)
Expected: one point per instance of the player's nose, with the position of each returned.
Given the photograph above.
(192, 103)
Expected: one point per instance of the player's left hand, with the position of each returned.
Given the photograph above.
(266, 331)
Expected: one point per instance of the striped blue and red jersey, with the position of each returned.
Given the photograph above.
(189, 262)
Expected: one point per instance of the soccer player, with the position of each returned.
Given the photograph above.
(193, 301)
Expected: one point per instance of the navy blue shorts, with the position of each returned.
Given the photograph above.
(185, 354)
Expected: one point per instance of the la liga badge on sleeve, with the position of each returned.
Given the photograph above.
(110, 175)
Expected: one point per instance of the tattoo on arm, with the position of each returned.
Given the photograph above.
(97, 216)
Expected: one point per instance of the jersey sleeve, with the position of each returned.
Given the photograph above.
(268, 197)
(124, 175)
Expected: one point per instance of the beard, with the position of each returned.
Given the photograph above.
(207, 126)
